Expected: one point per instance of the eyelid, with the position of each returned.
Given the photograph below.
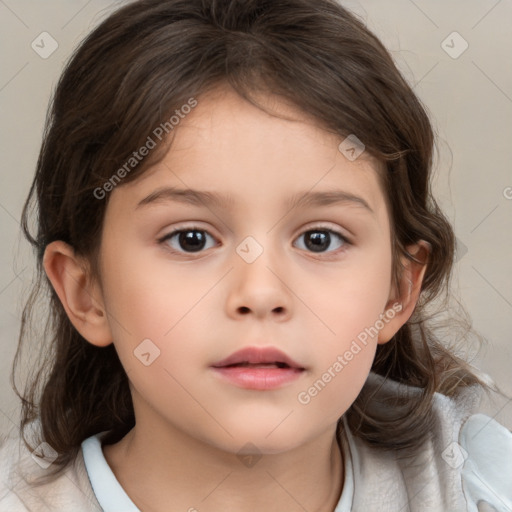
(179, 228)
(185, 226)
(318, 225)
(342, 232)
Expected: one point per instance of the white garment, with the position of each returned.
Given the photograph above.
(482, 477)
(466, 466)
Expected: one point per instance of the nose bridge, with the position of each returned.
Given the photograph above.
(259, 285)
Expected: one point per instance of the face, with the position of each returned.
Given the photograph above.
(201, 277)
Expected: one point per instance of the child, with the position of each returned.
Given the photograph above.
(283, 361)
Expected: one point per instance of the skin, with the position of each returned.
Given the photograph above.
(199, 307)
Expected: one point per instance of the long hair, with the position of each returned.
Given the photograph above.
(127, 77)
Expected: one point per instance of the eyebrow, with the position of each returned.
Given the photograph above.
(204, 198)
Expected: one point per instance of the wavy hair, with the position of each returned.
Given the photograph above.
(131, 73)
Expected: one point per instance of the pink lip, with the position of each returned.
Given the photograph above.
(258, 378)
(255, 355)
(254, 377)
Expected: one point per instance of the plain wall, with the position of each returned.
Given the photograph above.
(469, 97)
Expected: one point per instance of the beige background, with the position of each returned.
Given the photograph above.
(469, 97)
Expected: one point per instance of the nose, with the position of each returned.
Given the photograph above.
(260, 288)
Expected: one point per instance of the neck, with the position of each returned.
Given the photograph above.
(160, 467)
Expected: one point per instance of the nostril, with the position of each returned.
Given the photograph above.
(244, 309)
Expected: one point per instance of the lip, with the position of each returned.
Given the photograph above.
(258, 355)
(258, 378)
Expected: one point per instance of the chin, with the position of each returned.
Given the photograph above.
(257, 441)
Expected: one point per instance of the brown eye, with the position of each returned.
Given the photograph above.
(187, 240)
(319, 240)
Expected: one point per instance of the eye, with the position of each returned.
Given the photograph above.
(319, 239)
(194, 240)
(188, 240)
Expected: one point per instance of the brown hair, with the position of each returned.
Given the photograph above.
(130, 74)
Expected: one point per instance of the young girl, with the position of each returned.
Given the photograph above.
(236, 226)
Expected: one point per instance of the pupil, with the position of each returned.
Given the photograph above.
(316, 241)
(194, 239)
(319, 240)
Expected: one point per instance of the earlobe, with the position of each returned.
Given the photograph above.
(401, 304)
(79, 295)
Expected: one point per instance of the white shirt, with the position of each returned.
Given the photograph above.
(486, 473)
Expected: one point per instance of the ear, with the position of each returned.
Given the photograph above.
(402, 302)
(80, 296)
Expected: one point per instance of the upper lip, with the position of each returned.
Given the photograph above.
(255, 355)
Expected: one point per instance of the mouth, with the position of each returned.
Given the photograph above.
(246, 364)
(259, 357)
(260, 369)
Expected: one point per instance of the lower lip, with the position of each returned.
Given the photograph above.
(258, 378)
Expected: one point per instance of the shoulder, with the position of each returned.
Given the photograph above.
(21, 487)
(486, 447)
(464, 464)
(478, 448)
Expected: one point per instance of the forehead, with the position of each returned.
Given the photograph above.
(245, 155)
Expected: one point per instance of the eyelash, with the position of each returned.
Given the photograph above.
(163, 240)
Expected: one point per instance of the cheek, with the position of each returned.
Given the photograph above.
(147, 296)
(354, 296)
(343, 359)
(333, 390)
(351, 310)
(170, 307)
